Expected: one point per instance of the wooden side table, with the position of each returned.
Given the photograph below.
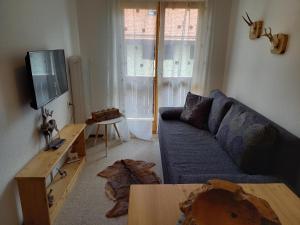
(159, 204)
(105, 123)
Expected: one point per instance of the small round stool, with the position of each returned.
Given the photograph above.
(105, 123)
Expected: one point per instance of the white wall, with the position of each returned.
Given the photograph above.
(27, 25)
(266, 82)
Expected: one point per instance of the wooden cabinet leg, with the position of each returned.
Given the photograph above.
(116, 128)
(34, 201)
(79, 145)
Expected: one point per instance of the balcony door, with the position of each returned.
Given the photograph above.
(159, 50)
(178, 34)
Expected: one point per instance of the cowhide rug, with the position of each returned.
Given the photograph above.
(120, 176)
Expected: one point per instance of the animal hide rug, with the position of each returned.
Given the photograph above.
(120, 176)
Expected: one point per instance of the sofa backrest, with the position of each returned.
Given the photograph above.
(220, 106)
(286, 158)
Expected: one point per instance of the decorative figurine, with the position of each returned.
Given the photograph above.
(47, 128)
(50, 198)
(62, 173)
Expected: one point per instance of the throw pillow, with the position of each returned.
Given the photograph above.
(220, 106)
(248, 139)
(170, 113)
(196, 110)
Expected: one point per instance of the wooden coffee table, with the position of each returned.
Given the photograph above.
(159, 204)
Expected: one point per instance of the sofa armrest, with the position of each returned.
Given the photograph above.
(237, 178)
(170, 113)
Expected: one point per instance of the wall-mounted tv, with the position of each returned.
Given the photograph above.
(48, 74)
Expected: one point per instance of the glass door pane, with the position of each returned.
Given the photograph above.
(139, 46)
(178, 32)
(140, 35)
(180, 29)
(139, 38)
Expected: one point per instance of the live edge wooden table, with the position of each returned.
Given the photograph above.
(159, 204)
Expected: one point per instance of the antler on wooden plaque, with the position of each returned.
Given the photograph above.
(255, 27)
(278, 41)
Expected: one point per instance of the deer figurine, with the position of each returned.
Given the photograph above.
(48, 126)
(278, 41)
(255, 27)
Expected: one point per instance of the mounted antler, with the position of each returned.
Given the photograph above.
(269, 35)
(273, 39)
(278, 41)
(255, 27)
(249, 21)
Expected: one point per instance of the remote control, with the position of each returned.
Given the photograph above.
(56, 143)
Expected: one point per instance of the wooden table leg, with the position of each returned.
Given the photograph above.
(116, 128)
(106, 139)
(97, 132)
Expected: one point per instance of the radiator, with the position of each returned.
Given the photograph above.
(77, 89)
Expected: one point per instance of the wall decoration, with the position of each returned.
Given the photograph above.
(278, 41)
(255, 27)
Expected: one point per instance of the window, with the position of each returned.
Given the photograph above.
(144, 86)
(179, 40)
(140, 35)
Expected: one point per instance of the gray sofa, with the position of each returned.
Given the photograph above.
(191, 155)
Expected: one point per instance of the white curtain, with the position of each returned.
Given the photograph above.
(181, 60)
(178, 29)
(114, 65)
(131, 65)
(131, 61)
(203, 49)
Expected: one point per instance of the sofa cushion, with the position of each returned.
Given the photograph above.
(189, 150)
(196, 110)
(248, 139)
(170, 113)
(220, 106)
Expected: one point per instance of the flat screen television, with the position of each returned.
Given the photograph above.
(48, 75)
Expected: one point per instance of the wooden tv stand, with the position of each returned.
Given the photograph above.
(32, 178)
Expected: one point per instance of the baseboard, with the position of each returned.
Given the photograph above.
(94, 135)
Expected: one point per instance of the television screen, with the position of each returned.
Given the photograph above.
(48, 72)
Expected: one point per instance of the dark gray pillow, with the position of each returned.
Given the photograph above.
(220, 106)
(196, 110)
(170, 113)
(248, 139)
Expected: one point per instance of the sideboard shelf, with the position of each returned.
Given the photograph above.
(32, 178)
(62, 186)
